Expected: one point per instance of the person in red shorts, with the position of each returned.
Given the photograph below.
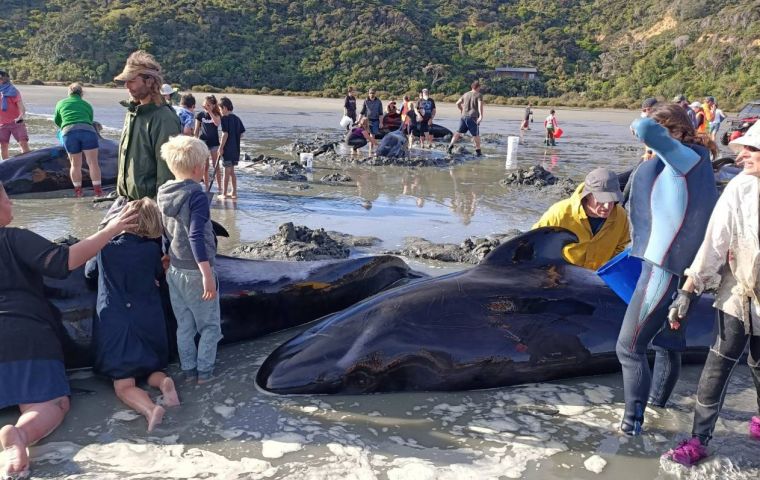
(11, 117)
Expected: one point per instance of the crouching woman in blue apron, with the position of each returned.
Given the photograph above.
(672, 197)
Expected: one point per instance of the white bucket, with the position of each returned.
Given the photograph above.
(346, 121)
(307, 160)
(512, 152)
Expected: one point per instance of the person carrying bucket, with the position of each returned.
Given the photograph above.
(593, 213)
(672, 197)
(551, 126)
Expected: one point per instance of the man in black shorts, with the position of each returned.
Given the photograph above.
(425, 112)
(471, 107)
(229, 146)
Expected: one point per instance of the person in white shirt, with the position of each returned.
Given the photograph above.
(728, 261)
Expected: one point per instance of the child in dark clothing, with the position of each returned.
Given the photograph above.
(191, 279)
(229, 148)
(130, 330)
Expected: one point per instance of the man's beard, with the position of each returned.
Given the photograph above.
(140, 96)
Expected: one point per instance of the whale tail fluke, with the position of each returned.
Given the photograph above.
(542, 246)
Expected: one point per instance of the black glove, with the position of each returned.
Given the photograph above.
(679, 308)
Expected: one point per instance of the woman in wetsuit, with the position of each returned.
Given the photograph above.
(678, 184)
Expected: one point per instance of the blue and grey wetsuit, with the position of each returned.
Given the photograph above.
(672, 198)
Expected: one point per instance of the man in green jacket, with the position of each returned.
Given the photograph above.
(149, 123)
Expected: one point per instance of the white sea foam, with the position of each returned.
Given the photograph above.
(595, 464)
(278, 445)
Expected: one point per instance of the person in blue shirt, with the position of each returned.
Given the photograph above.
(186, 113)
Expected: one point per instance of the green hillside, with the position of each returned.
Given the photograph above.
(611, 52)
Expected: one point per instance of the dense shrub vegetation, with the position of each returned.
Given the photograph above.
(588, 52)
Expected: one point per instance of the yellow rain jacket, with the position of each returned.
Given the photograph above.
(591, 251)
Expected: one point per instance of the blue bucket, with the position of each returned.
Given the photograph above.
(621, 274)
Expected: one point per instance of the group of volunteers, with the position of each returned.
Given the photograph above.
(161, 207)
(689, 240)
(79, 135)
(205, 125)
(414, 119)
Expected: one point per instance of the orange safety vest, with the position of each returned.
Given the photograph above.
(702, 127)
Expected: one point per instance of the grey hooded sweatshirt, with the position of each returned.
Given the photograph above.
(187, 220)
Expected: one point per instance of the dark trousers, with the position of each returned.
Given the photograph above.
(550, 137)
(646, 321)
(723, 357)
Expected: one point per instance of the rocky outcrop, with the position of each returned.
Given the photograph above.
(302, 243)
(336, 178)
(537, 176)
(317, 145)
(471, 250)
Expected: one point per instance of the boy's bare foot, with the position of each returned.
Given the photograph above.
(171, 399)
(155, 417)
(15, 453)
(221, 196)
(233, 195)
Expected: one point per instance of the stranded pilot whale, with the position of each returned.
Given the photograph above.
(522, 315)
(47, 169)
(256, 297)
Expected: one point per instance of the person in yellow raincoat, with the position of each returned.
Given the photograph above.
(593, 213)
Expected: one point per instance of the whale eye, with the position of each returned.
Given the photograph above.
(359, 380)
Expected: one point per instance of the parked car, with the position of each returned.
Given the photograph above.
(746, 117)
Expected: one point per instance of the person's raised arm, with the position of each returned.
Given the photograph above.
(677, 155)
(84, 250)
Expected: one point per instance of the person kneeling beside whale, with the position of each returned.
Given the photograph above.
(593, 213)
(32, 372)
(130, 328)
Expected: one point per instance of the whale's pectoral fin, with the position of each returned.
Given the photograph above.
(542, 246)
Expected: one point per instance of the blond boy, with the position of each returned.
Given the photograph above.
(192, 283)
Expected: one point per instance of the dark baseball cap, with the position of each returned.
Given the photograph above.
(3, 73)
(680, 98)
(649, 102)
(604, 185)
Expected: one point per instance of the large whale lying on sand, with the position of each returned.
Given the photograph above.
(522, 315)
(47, 169)
(257, 296)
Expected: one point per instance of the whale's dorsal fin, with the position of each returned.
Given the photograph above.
(219, 230)
(542, 246)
